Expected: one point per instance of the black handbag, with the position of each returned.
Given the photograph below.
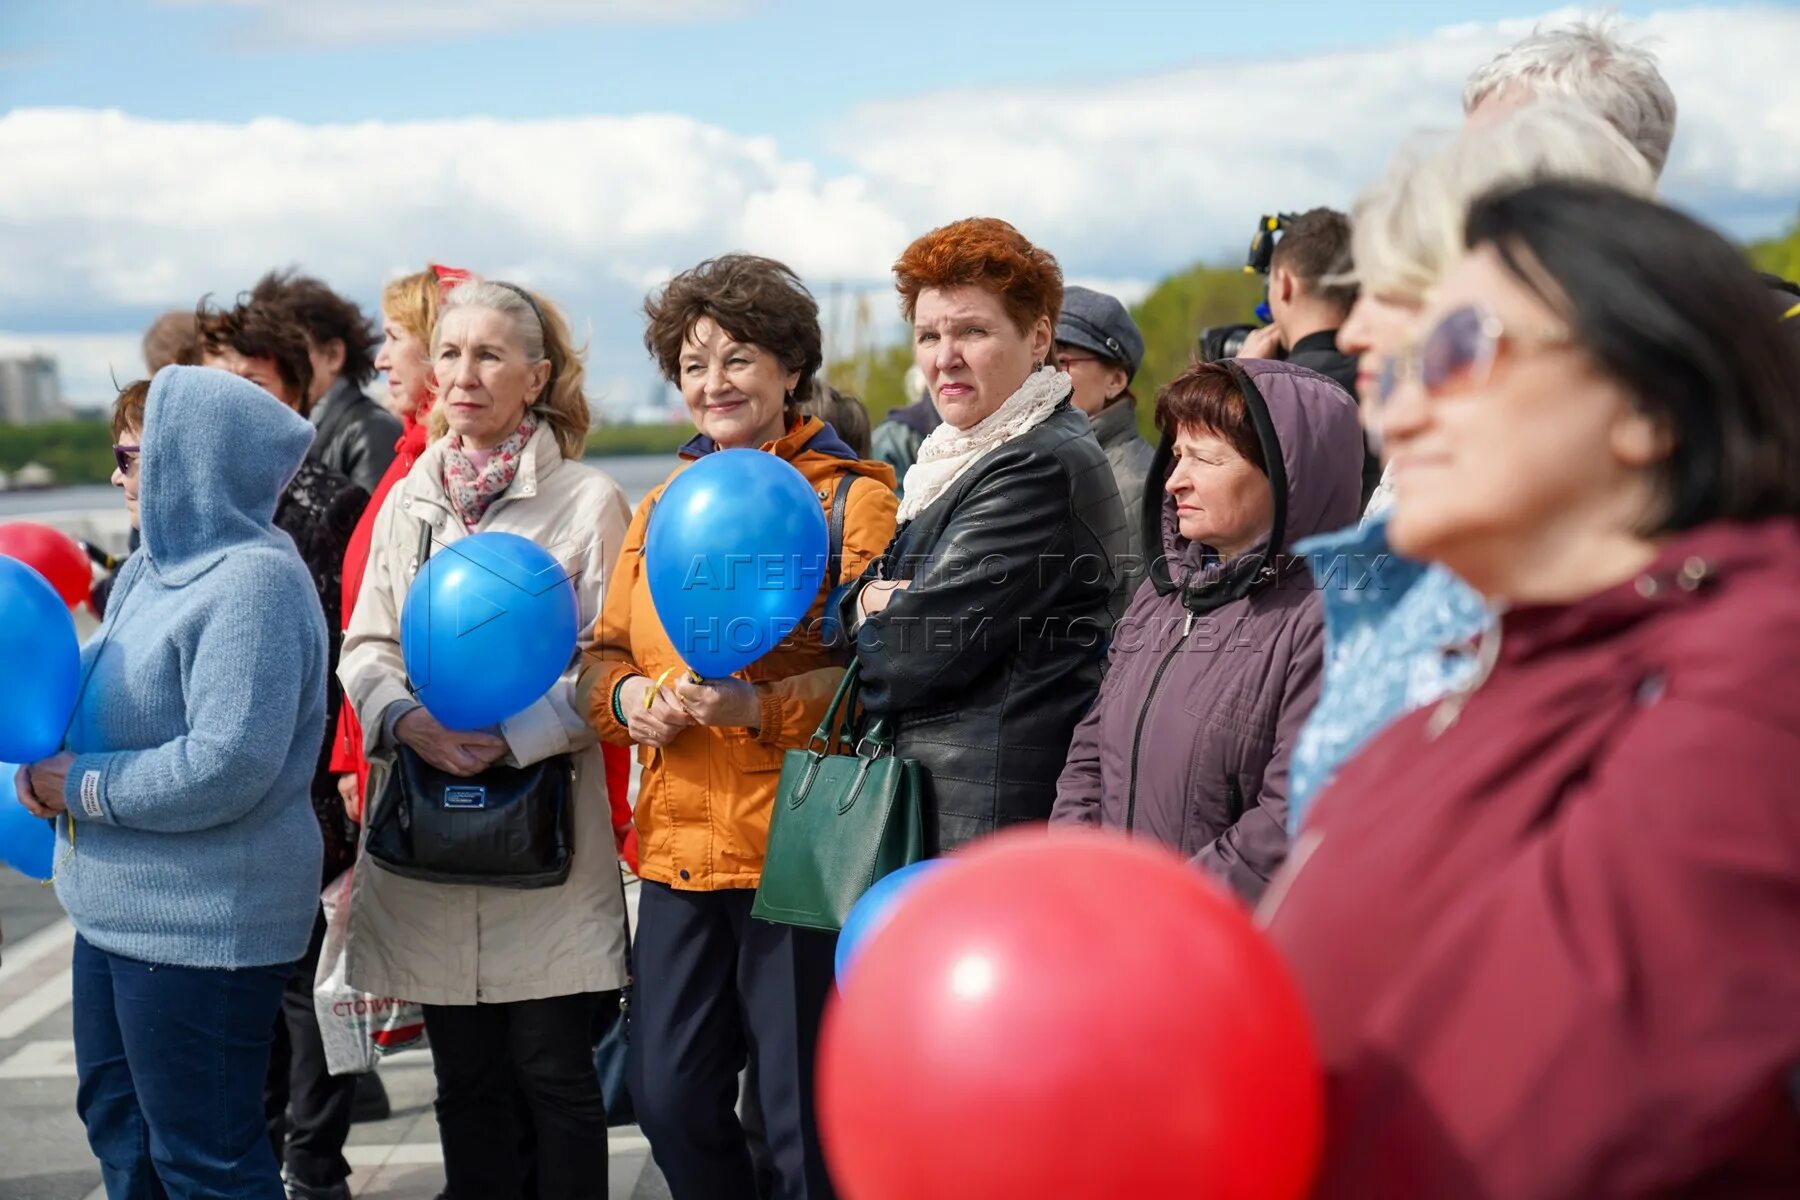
(511, 827)
(507, 827)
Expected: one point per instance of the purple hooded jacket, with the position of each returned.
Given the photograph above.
(1214, 669)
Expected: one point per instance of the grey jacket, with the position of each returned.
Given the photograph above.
(1129, 455)
(1213, 672)
(356, 435)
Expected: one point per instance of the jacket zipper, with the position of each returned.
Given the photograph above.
(1137, 739)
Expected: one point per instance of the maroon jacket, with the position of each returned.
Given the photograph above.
(1208, 684)
(1555, 950)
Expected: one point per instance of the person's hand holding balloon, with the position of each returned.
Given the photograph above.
(449, 750)
(45, 780)
(721, 702)
(652, 714)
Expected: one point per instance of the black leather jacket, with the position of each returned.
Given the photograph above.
(356, 435)
(993, 655)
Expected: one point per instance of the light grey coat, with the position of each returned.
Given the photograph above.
(455, 944)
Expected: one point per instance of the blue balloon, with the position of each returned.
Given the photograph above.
(488, 627)
(735, 555)
(43, 664)
(876, 908)
(27, 843)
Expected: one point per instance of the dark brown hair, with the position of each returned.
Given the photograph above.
(987, 253)
(753, 299)
(843, 412)
(325, 316)
(1206, 396)
(1673, 312)
(173, 340)
(1316, 247)
(257, 329)
(128, 409)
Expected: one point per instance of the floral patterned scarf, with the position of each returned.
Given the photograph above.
(471, 491)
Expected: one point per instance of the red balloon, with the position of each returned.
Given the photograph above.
(51, 553)
(1075, 1014)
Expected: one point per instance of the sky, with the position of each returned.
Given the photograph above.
(152, 151)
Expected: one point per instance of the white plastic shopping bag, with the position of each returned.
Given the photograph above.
(358, 1029)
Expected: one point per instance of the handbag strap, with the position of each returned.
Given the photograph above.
(840, 503)
(423, 550)
(843, 701)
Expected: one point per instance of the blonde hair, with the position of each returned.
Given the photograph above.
(1590, 64)
(411, 302)
(565, 406)
(1407, 230)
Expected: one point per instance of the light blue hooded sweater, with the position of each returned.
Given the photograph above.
(203, 706)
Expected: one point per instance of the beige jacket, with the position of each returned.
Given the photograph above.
(452, 944)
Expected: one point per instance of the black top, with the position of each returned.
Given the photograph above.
(319, 510)
(993, 655)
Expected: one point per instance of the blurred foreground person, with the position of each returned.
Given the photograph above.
(1545, 926)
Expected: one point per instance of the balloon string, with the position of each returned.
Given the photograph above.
(650, 696)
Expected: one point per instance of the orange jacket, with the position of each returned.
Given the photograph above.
(704, 800)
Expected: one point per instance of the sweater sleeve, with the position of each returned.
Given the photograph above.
(241, 691)
(556, 722)
(1617, 1008)
(1256, 844)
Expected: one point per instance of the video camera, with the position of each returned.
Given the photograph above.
(1224, 341)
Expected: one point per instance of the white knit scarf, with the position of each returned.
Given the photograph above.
(947, 451)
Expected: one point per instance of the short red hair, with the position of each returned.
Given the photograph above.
(987, 253)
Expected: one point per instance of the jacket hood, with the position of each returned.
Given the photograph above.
(218, 452)
(809, 443)
(1313, 444)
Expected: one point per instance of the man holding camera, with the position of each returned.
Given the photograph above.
(1309, 299)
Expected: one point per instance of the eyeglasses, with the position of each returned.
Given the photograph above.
(125, 456)
(1065, 361)
(1459, 352)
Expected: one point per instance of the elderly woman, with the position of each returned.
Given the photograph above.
(740, 337)
(1545, 926)
(1397, 631)
(188, 856)
(1216, 664)
(512, 981)
(981, 631)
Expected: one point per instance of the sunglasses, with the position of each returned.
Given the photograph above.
(1459, 352)
(124, 456)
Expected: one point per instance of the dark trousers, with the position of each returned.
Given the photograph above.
(712, 989)
(171, 1062)
(307, 1108)
(499, 1064)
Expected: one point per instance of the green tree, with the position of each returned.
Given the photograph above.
(1781, 255)
(1171, 318)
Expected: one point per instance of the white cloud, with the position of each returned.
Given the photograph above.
(285, 24)
(110, 217)
(1154, 171)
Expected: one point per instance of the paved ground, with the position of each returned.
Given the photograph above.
(43, 1150)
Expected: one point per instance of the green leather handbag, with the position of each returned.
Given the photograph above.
(845, 815)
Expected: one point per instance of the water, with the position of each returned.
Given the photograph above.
(96, 514)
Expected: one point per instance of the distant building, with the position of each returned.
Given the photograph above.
(29, 391)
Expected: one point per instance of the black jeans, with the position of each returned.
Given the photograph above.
(499, 1064)
(307, 1107)
(712, 987)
